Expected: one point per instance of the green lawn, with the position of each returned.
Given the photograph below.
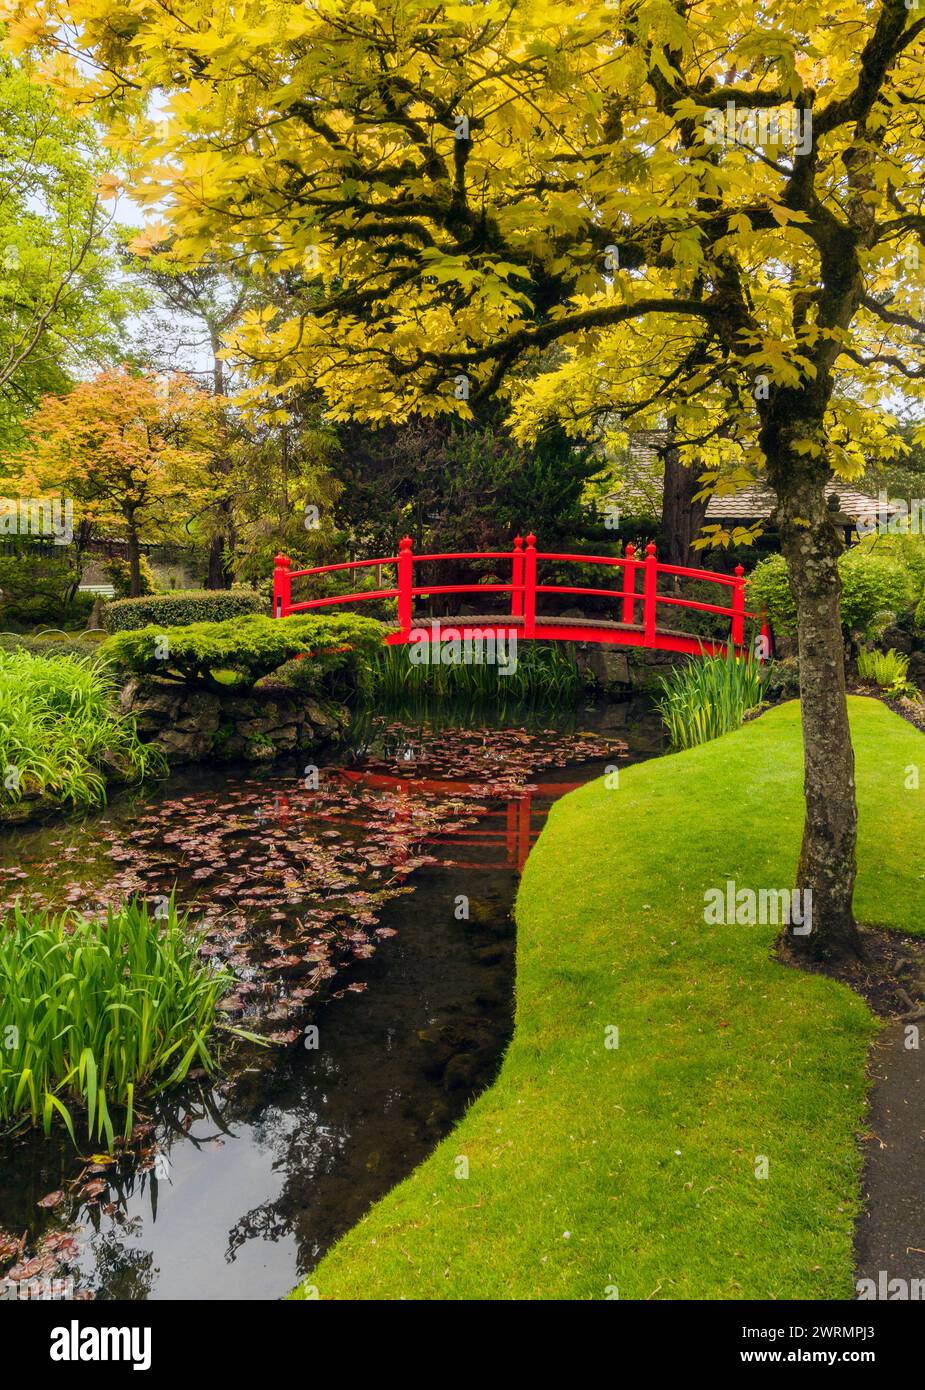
(593, 1169)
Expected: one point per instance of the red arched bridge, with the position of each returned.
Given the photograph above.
(641, 612)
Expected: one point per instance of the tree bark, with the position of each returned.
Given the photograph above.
(218, 575)
(827, 865)
(134, 559)
(81, 541)
(682, 517)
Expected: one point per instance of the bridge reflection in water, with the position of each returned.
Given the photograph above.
(504, 845)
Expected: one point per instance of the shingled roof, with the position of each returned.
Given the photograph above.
(755, 503)
(641, 491)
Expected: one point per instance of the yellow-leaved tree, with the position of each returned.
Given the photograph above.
(644, 210)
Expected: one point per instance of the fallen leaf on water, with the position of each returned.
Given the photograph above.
(10, 1245)
(287, 1037)
(58, 1243)
(51, 1199)
(32, 1269)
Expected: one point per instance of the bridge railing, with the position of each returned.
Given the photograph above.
(635, 608)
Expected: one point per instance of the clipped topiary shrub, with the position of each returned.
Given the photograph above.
(243, 650)
(181, 608)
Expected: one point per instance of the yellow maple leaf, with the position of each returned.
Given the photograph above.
(109, 186)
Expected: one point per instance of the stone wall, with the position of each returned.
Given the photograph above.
(197, 725)
(616, 670)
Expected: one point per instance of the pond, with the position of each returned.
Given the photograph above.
(364, 905)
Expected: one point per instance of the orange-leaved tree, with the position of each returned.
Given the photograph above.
(124, 449)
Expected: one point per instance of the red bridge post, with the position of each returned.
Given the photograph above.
(629, 587)
(529, 628)
(738, 608)
(405, 584)
(766, 644)
(649, 591)
(517, 578)
(511, 837)
(282, 586)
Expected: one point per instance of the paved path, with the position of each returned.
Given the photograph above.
(891, 1232)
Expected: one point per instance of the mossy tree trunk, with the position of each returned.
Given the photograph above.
(827, 864)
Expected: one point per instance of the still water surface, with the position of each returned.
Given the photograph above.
(370, 898)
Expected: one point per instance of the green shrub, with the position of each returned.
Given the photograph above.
(889, 670)
(250, 648)
(60, 732)
(906, 550)
(304, 676)
(920, 614)
(52, 643)
(93, 1011)
(873, 583)
(708, 697)
(181, 608)
(767, 590)
(38, 612)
